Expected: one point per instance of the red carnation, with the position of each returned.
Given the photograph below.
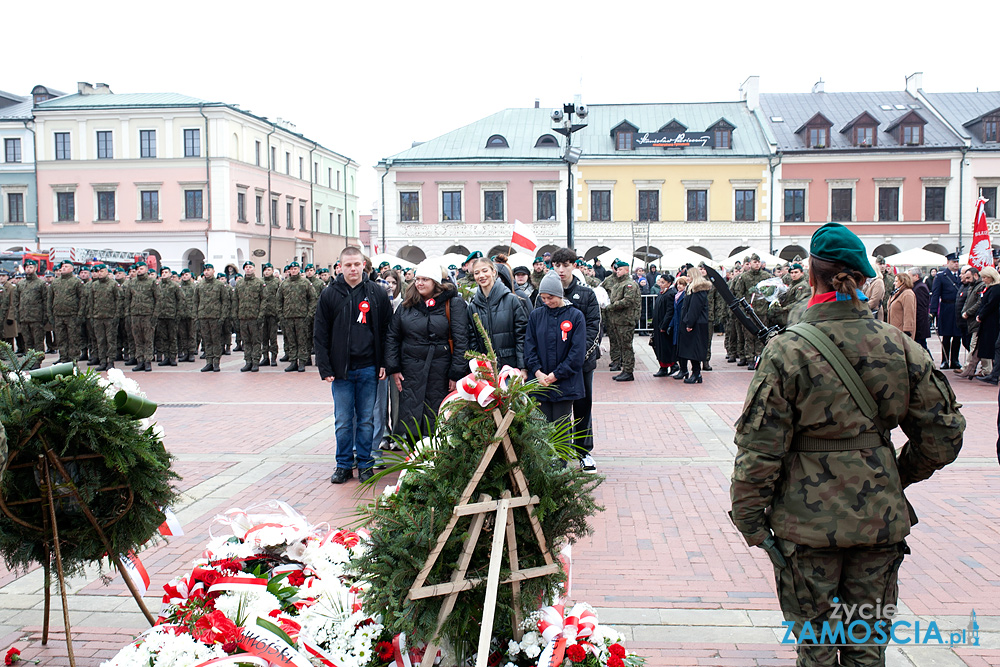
(13, 655)
(230, 647)
(384, 650)
(576, 653)
(615, 661)
(617, 649)
(215, 627)
(296, 578)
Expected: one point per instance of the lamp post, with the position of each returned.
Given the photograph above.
(564, 125)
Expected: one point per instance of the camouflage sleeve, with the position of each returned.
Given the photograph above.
(933, 424)
(81, 292)
(763, 437)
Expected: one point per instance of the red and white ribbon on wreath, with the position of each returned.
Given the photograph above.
(136, 572)
(171, 527)
(401, 658)
(560, 632)
(566, 327)
(239, 659)
(364, 307)
(481, 391)
(243, 584)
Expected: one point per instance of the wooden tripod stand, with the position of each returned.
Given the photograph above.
(504, 517)
(50, 494)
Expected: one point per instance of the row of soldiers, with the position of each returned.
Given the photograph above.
(133, 315)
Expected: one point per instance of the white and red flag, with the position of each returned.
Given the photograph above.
(981, 254)
(136, 571)
(172, 526)
(524, 237)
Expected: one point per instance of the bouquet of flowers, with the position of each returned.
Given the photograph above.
(574, 635)
(770, 290)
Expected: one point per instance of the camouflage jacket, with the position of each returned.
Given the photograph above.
(250, 294)
(296, 298)
(8, 313)
(105, 299)
(718, 311)
(839, 499)
(317, 284)
(171, 300)
(211, 300)
(32, 300)
(142, 295)
(626, 303)
(67, 297)
(185, 310)
(270, 305)
(786, 309)
(536, 277)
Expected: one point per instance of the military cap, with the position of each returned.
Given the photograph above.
(165, 268)
(324, 270)
(98, 267)
(795, 265)
(521, 269)
(952, 256)
(836, 243)
(381, 264)
(452, 267)
(119, 269)
(475, 254)
(183, 271)
(140, 263)
(49, 273)
(754, 257)
(266, 265)
(295, 264)
(580, 262)
(618, 262)
(32, 262)
(307, 266)
(248, 263)
(398, 267)
(4, 272)
(539, 260)
(65, 261)
(336, 264)
(174, 273)
(206, 265)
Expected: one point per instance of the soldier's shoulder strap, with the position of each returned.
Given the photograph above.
(844, 370)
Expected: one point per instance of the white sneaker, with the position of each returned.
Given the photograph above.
(587, 463)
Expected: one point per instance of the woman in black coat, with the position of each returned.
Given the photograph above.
(923, 295)
(425, 350)
(989, 319)
(663, 315)
(693, 342)
(503, 314)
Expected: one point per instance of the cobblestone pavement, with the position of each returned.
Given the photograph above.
(664, 565)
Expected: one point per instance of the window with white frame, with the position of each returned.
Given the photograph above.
(149, 203)
(13, 203)
(65, 202)
(546, 200)
(147, 143)
(409, 201)
(601, 199)
(888, 195)
(105, 145)
(12, 150)
(697, 200)
(989, 188)
(192, 144)
(493, 200)
(935, 198)
(451, 201)
(647, 199)
(843, 203)
(794, 198)
(744, 198)
(105, 202)
(64, 150)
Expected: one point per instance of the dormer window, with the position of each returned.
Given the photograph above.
(912, 135)
(819, 137)
(497, 141)
(908, 129)
(546, 141)
(674, 126)
(816, 131)
(991, 129)
(864, 136)
(722, 133)
(623, 134)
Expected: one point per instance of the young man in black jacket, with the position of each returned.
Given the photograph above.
(352, 319)
(583, 299)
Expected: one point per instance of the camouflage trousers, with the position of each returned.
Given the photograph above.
(297, 332)
(708, 346)
(752, 345)
(143, 330)
(186, 343)
(212, 336)
(731, 325)
(166, 336)
(814, 577)
(621, 336)
(269, 335)
(67, 333)
(250, 333)
(105, 341)
(33, 334)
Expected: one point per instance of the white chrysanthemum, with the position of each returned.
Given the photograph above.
(513, 648)
(165, 650)
(532, 651)
(239, 607)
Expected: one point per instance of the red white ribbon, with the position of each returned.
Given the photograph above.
(364, 307)
(256, 639)
(314, 649)
(136, 572)
(560, 632)
(243, 584)
(566, 327)
(430, 303)
(172, 526)
(239, 659)
(481, 384)
(402, 658)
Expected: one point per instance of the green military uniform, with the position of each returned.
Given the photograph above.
(141, 301)
(125, 324)
(732, 328)
(211, 307)
(318, 286)
(752, 346)
(717, 311)
(67, 304)
(229, 320)
(32, 311)
(171, 303)
(187, 345)
(789, 307)
(104, 304)
(251, 295)
(296, 300)
(269, 335)
(8, 321)
(814, 471)
(622, 315)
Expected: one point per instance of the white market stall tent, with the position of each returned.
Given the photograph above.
(916, 257)
(770, 261)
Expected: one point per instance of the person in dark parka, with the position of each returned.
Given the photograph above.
(504, 316)
(923, 313)
(663, 314)
(425, 349)
(989, 327)
(943, 295)
(693, 342)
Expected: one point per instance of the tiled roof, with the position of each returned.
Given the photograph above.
(795, 109)
(960, 108)
(522, 128)
(111, 100)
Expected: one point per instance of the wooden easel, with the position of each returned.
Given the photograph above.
(504, 517)
(50, 492)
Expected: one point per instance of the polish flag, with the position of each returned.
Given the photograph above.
(524, 237)
(136, 571)
(172, 526)
(981, 254)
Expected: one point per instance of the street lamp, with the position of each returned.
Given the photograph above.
(564, 125)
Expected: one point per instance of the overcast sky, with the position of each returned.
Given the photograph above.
(366, 78)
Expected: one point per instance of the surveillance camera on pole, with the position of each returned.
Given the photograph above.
(557, 115)
(581, 111)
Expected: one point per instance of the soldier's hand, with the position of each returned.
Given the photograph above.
(771, 547)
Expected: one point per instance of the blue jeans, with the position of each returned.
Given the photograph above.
(381, 412)
(354, 411)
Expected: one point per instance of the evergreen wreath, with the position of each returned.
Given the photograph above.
(405, 525)
(118, 464)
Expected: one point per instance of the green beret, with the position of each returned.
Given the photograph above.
(266, 265)
(98, 267)
(65, 261)
(138, 264)
(475, 254)
(452, 267)
(796, 265)
(183, 271)
(165, 268)
(206, 265)
(835, 243)
(248, 263)
(398, 267)
(307, 266)
(323, 271)
(754, 257)
(31, 262)
(295, 264)
(618, 262)
(538, 260)
(381, 264)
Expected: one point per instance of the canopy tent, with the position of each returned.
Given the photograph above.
(675, 258)
(766, 257)
(916, 257)
(452, 258)
(613, 254)
(520, 259)
(392, 259)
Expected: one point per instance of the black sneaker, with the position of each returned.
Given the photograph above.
(365, 475)
(341, 475)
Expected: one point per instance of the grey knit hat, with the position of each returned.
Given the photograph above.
(551, 284)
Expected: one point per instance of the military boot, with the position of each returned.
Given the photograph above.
(172, 360)
(255, 367)
(148, 366)
(227, 350)
(615, 367)
(139, 366)
(164, 361)
(308, 361)
(752, 365)
(302, 367)
(207, 368)
(101, 368)
(215, 366)
(83, 356)
(247, 366)
(274, 359)
(238, 348)
(131, 361)
(94, 361)
(111, 365)
(294, 366)
(284, 358)
(741, 362)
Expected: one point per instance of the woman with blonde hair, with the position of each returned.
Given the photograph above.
(902, 310)
(693, 340)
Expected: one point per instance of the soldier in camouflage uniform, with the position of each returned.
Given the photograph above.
(296, 301)
(142, 296)
(622, 315)
(538, 271)
(104, 304)
(67, 304)
(32, 308)
(251, 295)
(752, 274)
(717, 311)
(466, 283)
(269, 334)
(211, 306)
(186, 345)
(789, 306)
(8, 325)
(88, 351)
(124, 326)
(818, 484)
(318, 286)
(171, 303)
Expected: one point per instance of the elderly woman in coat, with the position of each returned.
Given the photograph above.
(693, 341)
(903, 305)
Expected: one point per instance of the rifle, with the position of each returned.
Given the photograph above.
(740, 308)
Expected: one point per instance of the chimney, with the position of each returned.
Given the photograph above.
(750, 92)
(818, 87)
(85, 88)
(914, 83)
(537, 102)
